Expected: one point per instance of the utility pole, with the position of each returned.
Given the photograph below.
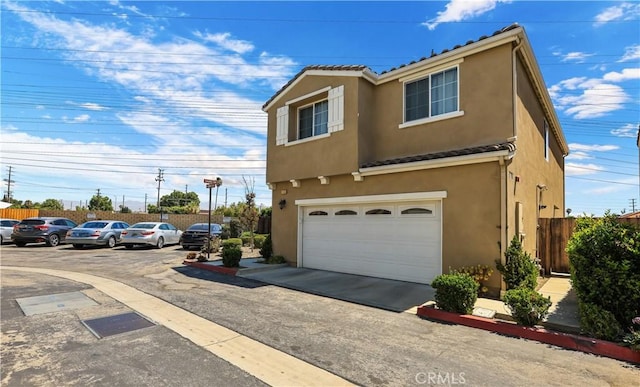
(632, 202)
(186, 187)
(145, 203)
(159, 179)
(9, 181)
(98, 194)
(638, 144)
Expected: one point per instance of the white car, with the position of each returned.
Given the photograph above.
(6, 228)
(156, 234)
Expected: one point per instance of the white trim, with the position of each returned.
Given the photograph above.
(309, 95)
(323, 179)
(430, 70)
(272, 186)
(295, 183)
(404, 197)
(437, 163)
(357, 176)
(335, 109)
(282, 125)
(427, 120)
(296, 142)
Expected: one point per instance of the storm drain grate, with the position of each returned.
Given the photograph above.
(113, 325)
(54, 303)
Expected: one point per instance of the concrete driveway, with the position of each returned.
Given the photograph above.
(396, 296)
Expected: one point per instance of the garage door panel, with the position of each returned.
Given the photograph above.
(396, 246)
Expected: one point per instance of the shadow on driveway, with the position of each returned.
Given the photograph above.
(206, 275)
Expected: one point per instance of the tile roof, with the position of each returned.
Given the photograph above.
(363, 67)
(508, 146)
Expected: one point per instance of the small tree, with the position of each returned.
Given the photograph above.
(100, 203)
(267, 248)
(519, 270)
(51, 204)
(249, 216)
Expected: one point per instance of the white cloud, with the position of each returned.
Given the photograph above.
(631, 53)
(629, 130)
(578, 57)
(622, 11)
(92, 106)
(582, 97)
(77, 119)
(575, 147)
(576, 169)
(223, 40)
(625, 75)
(458, 10)
(578, 155)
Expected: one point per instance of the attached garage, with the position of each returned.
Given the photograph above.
(388, 236)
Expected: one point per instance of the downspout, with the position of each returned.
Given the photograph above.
(503, 217)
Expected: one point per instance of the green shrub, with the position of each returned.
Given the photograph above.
(632, 340)
(479, 273)
(276, 260)
(232, 242)
(211, 245)
(246, 238)
(519, 270)
(527, 306)
(598, 322)
(605, 267)
(267, 248)
(231, 256)
(258, 240)
(455, 292)
(235, 228)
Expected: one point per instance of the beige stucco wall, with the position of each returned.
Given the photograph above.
(531, 168)
(485, 97)
(327, 156)
(471, 211)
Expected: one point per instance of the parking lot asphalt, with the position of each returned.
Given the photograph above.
(358, 344)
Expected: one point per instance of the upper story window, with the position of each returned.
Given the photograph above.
(313, 119)
(546, 140)
(431, 96)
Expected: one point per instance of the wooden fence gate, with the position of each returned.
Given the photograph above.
(553, 235)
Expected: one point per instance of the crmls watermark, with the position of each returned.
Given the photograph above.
(440, 378)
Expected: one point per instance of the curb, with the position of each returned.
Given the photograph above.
(565, 340)
(220, 269)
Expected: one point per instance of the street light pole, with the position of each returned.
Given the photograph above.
(210, 184)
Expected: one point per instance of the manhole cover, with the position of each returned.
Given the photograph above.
(113, 325)
(54, 303)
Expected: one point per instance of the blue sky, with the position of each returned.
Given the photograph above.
(101, 95)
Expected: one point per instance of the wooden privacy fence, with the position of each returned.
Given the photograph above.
(553, 235)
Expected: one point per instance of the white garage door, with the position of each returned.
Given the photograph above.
(401, 241)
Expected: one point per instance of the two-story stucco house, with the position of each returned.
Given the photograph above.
(429, 166)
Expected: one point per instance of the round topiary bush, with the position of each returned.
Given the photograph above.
(527, 306)
(231, 256)
(455, 292)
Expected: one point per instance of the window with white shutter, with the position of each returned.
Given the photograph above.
(336, 109)
(282, 125)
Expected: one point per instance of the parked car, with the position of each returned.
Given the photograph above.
(50, 230)
(156, 234)
(196, 234)
(97, 233)
(6, 228)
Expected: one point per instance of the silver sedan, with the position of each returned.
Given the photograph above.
(96, 233)
(156, 234)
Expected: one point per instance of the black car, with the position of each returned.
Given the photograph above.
(50, 230)
(196, 235)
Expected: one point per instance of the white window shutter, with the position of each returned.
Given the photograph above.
(282, 125)
(336, 109)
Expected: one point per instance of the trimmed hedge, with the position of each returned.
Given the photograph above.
(231, 256)
(519, 270)
(455, 292)
(231, 242)
(527, 306)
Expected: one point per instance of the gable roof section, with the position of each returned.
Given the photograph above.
(506, 146)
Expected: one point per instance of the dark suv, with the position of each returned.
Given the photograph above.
(50, 230)
(196, 235)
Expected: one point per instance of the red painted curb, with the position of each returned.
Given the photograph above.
(218, 269)
(565, 340)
